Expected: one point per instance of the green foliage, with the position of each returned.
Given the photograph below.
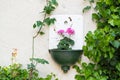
(34, 25)
(38, 60)
(98, 44)
(13, 72)
(86, 8)
(38, 24)
(89, 72)
(103, 45)
(116, 43)
(50, 77)
(33, 72)
(42, 33)
(52, 4)
(31, 66)
(34, 62)
(91, 1)
(118, 66)
(49, 21)
(65, 44)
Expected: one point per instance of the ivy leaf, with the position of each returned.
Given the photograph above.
(91, 78)
(49, 21)
(91, 1)
(111, 22)
(53, 20)
(31, 65)
(116, 44)
(38, 60)
(42, 33)
(117, 22)
(115, 16)
(86, 8)
(114, 22)
(79, 77)
(48, 9)
(109, 2)
(111, 55)
(54, 2)
(77, 68)
(84, 64)
(39, 23)
(100, 25)
(95, 16)
(34, 25)
(118, 66)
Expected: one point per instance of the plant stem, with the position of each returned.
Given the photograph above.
(33, 46)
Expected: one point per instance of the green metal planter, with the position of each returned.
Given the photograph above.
(65, 58)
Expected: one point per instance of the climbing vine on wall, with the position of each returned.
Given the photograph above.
(103, 45)
(47, 21)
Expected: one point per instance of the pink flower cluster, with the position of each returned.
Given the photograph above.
(69, 31)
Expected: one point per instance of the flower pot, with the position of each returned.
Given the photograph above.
(65, 58)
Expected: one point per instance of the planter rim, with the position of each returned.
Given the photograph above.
(65, 50)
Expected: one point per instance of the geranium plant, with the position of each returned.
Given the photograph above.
(66, 42)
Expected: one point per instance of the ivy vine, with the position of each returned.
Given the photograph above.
(47, 21)
(103, 45)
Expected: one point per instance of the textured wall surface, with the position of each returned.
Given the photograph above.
(16, 20)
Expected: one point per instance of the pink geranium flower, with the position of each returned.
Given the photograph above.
(66, 42)
(61, 32)
(70, 31)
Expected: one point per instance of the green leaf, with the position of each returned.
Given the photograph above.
(91, 78)
(115, 16)
(110, 55)
(49, 21)
(86, 8)
(31, 66)
(34, 25)
(39, 23)
(38, 60)
(91, 1)
(117, 22)
(111, 22)
(84, 64)
(109, 2)
(54, 2)
(116, 43)
(118, 66)
(100, 25)
(71, 42)
(48, 9)
(76, 68)
(42, 33)
(95, 16)
(79, 77)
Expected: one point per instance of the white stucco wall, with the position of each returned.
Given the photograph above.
(16, 20)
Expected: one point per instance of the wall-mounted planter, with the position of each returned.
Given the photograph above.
(65, 58)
